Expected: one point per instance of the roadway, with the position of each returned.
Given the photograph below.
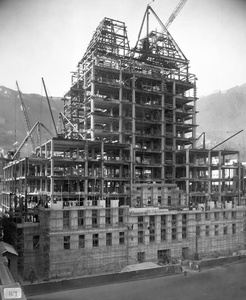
(220, 283)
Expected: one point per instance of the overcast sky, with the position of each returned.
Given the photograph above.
(47, 38)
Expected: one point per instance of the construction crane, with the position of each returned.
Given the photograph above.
(175, 12)
(37, 125)
(227, 139)
(25, 116)
(164, 27)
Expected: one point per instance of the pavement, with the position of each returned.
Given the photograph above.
(220, 283)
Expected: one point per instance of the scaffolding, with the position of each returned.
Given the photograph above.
(123, 182)
(97, 240)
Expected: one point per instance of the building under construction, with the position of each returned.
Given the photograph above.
(124, 181)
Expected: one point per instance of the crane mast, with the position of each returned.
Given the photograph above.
(25, 116)
(175, 12)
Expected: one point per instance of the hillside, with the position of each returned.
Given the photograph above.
(222, 115)
(12, 126)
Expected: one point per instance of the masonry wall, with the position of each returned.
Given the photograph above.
(166, 237)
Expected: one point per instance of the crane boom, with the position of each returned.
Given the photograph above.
(48, 100)
(227, 139)
(37, 124)
(25, 116)
(175, 12)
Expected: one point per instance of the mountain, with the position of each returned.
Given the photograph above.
(222, 115)
(12, 126)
